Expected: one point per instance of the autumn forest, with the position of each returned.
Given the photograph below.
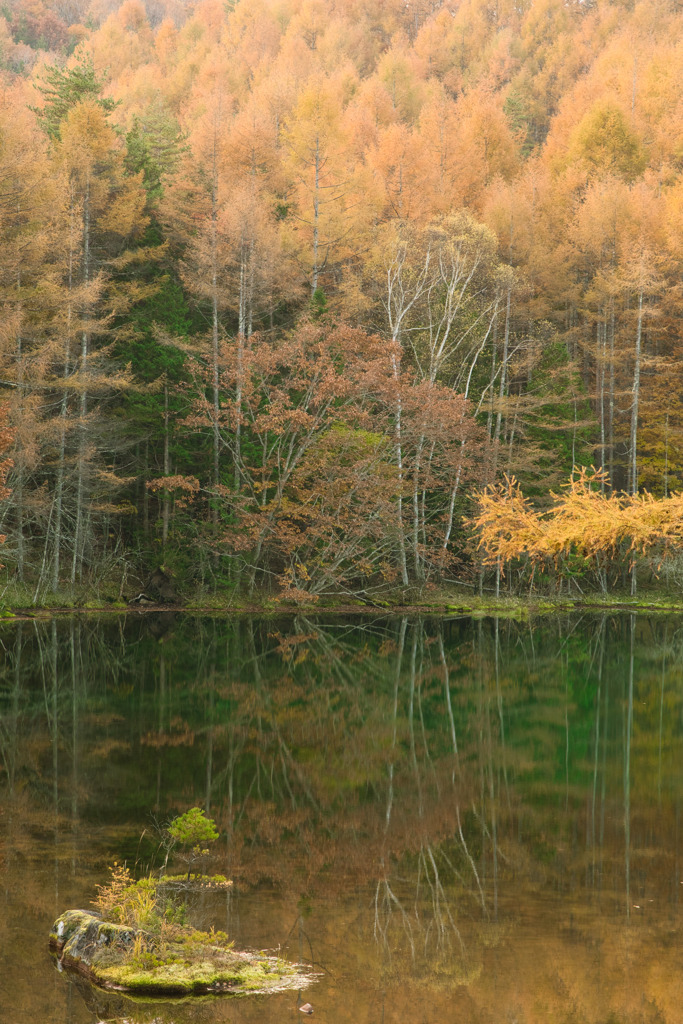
(337, 297)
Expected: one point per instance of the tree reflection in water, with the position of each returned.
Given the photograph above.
(487, 810)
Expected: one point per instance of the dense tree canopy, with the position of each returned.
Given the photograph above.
(282, 284)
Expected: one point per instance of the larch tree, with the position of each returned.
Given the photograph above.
(100, 211)
(30, 305)
(400, 163)
(192, 213)
(108, 206)
(582, 520)
(321, 228)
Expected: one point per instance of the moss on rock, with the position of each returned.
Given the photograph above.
(185, 962)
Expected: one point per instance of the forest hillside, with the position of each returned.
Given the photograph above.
(287, 283)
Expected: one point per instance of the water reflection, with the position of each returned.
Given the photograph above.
(449, 818)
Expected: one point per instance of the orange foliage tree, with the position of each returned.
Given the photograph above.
(583, 520)
(319, 482)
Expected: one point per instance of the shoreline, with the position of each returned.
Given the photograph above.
(502, 607)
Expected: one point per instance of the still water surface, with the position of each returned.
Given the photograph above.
(451, 819)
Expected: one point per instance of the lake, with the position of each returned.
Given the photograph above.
(450, 819)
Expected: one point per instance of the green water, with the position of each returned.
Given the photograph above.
(450, 819)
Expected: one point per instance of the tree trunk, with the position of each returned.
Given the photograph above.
(316, 218)
(399, 465)
(611, 393)
(166, 505)
(63, 410)
(633, 473)
(214, 326)
(602, 355)
(503, 382)
(419, 567)
(19, 474)
(79, 538)
(634, 423)
(241, 333)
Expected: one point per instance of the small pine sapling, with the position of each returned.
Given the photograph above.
(192, 831)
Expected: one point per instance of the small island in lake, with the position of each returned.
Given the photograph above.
(138, 939)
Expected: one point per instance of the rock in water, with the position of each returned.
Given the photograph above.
(115, 956)
(78, 936)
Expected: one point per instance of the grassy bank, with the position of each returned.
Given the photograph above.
(17, 600)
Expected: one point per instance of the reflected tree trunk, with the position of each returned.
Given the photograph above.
(74, 749)
(627, 769)
(661, 721)
(598, 703)
(397, 681)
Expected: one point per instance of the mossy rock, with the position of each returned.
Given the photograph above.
(82, 939)
(118, 957)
